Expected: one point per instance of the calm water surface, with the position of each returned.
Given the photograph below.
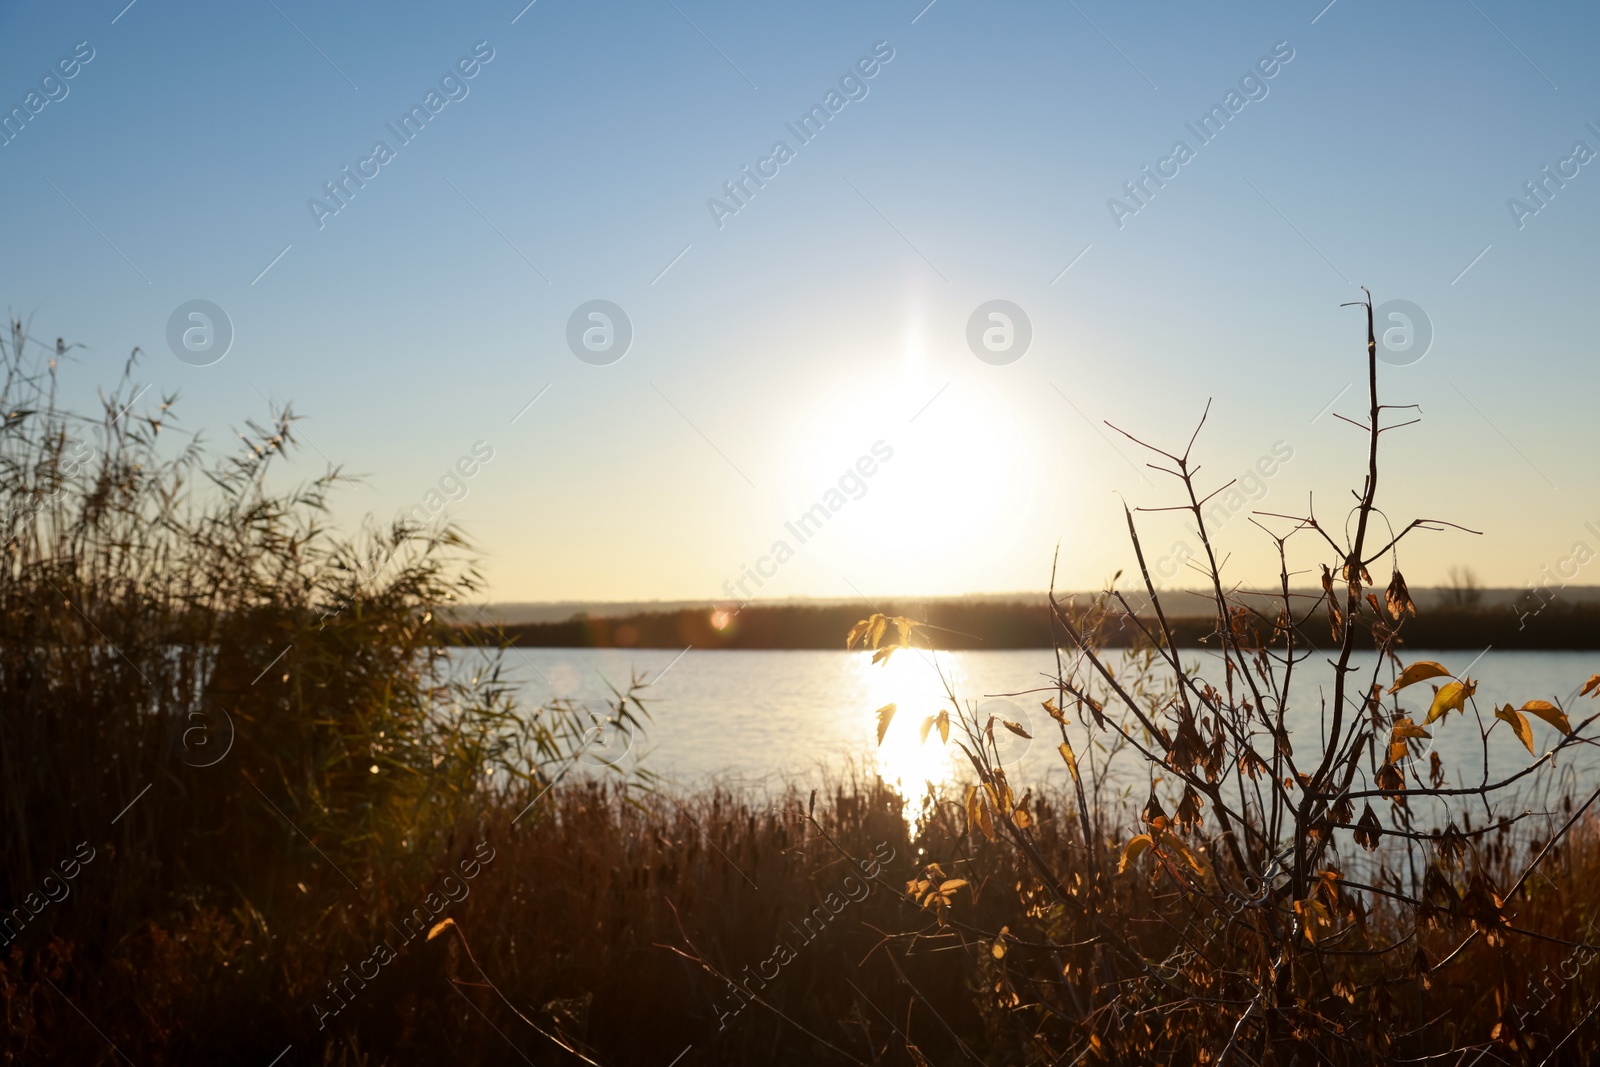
(765, 719)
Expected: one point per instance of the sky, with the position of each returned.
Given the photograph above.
(823, 343)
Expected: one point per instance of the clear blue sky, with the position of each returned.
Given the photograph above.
(824, 315)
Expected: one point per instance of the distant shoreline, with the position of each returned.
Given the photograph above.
(972, 626)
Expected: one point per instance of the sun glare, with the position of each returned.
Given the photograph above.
(956, 490)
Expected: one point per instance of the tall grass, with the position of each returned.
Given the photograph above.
(245, 717)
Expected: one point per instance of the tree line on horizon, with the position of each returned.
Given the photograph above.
(978, 626)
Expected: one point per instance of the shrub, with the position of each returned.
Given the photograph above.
(1281, 898)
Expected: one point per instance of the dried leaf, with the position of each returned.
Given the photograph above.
(1313, 914)
(885, 717)
(1519, 725)
(438, 928)
(1403, 730)
(1591, 686)
(1398, 598)
(1452, 696)
(1188, 814)
(1417, 672)
(1072, 761)
(978, 814)
(1549, 713)
(1000, 793)
(1369, 830)
(1175, 844)
(1404, 727)
(1016, 729)
(1130, 852)
(857, 632)
(1419, 963)
(1153, 810)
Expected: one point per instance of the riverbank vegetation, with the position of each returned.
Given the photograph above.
(257, 810)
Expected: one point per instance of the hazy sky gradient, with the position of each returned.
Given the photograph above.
(828, 312)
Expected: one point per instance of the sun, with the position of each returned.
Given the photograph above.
(958, 491)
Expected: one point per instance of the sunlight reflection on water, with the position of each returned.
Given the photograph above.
(762, 721)
(910, 758)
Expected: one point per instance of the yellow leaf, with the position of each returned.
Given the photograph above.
(943, 720)
(1549, 713)
(1417, 672)
(438, 928)
(1000, 793)
(885, 716)
(1016, 729)
(1174, 843)
(875, 635)
(1312, 913)
(927, 724)
(951, 885)
(978, 814)
(883, 654)
(1072, 760)
(1020, 816)
(857, 632)
(1591, 686)
(1519, 725)
(1403, 729)
(1450, 697)
(1130, 852)
(998, 949)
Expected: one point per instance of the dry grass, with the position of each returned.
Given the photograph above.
(605, 917)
